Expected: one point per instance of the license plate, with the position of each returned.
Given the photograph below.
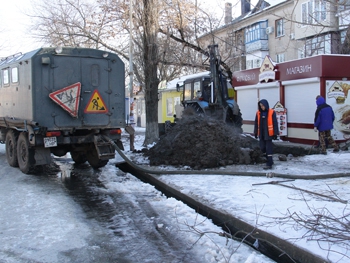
(50, 142)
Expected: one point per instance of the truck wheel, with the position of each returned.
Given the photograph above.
(93, 158)
(11, 148)
(78, 157)
(25, 155)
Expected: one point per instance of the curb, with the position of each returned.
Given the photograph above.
(272, 246)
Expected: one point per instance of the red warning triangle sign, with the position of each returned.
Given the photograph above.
(68, 98)
(96, 104)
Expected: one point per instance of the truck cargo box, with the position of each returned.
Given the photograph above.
(78, 92)
(43, 71)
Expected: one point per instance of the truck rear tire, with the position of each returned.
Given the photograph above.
(93, 158)
(11, 148)
(25, 155)
(78, 157)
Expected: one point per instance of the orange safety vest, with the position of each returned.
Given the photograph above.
(269, 122)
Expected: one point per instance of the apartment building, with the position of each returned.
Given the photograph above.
(286, 31)
(288, 54)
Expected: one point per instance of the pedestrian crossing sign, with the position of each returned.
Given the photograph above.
(96, 104)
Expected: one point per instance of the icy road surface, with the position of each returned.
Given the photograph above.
(76, 214)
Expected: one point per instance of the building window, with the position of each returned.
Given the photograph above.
(169, 107)
(256, 32)
(229, 42)
(343, 5)
(187, 94)
(279, 58)
(143, 106)
(313, 11)
(319, 10)
(196, 89)
(279, 27)
(318, 45)
(343, 36)
(14, 75)
(6, 77)
(249, 64)
(253, 63)
(301, 52)
(257, 63)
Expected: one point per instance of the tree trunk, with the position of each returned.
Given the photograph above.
(150, 23)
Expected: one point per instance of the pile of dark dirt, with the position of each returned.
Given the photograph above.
(201, 143)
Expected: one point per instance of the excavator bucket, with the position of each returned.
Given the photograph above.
(215, 111)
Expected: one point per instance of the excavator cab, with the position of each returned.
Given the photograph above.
(207, 93)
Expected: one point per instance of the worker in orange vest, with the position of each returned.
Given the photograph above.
(266, 129)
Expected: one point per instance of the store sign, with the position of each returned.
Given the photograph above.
(338, 98)
(299, 69)
(281, 114)
(267, 70)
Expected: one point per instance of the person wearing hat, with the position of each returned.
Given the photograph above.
(324, 118)
(266, 129)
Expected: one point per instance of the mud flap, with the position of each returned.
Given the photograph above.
(104, 149)
(42, 156)
(119, 144)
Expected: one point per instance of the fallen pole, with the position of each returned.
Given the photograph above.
(278, 249)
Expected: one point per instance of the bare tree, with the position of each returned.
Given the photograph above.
(150, 31)
(105, 25)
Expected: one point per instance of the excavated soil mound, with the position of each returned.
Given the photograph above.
(201, 143)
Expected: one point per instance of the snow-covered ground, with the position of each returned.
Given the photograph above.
(40, 222)
(312, 213)
(201, 236)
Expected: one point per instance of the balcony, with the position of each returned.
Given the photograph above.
(262, 45)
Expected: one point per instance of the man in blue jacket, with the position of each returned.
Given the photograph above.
(266, 129)
(324, 118)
